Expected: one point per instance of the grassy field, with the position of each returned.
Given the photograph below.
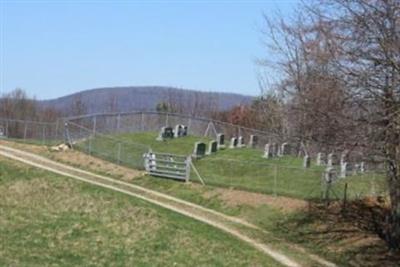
(235, 168)
(289, 219)
(47, 220)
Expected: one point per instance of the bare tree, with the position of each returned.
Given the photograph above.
(340, 62)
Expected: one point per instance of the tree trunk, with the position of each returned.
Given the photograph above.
(392, 153)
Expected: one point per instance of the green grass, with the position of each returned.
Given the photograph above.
(47, 220)
(235, 168)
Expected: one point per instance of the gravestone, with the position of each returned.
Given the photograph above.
(253, 142)
(2, 132)
(285, 149)
(329, 175)
(180, 130)
(233, 143)
(199, 150)
(266, 151)
(212, 147)
(344, 157)
(356, 169)
(240, 142)
(278, 150)
(274, 150)
(320, 160)
(343, 169)
(306, 161)
(330, 159)
(362, 167)
(165, 132)
(221, 140)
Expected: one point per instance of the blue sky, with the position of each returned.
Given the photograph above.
(54, 48)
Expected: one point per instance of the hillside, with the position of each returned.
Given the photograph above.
(123, 99)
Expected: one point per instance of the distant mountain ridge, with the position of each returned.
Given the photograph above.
(124, 99)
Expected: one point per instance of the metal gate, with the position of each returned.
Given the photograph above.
(168, 165)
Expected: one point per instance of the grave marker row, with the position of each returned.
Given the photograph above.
(200, 149)
(168, 132)
(274, 150)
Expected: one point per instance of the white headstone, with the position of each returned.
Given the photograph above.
(362, 167)
(306, 161)
(343, 170)
(343, 157)
(284, 149)
(221, 140)
(266, 151)
(199, 150)
(273, 150)
(330, 160)
(240, 142)
(233, 142)
(253, 141)
(2, 132)
(212, 147)
(319, 159)
(329, 175)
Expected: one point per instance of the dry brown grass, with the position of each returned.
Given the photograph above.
(80, 159)
(234, 198)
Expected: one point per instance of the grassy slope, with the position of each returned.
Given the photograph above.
(50, 220)
(297, 226)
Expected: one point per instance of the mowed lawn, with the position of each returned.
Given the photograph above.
(46, 219)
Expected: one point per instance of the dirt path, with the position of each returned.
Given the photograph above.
(224, 222)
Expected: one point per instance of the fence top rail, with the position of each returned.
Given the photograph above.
(267, 164)
(169, 155)
(204, 119)
(109, 137)
(28, 121)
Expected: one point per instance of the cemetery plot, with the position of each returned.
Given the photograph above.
(243, 168)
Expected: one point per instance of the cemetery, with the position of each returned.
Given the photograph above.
(241, 164)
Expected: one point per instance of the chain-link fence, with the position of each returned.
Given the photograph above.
(283, 180)
(98, 135)
(44, 133)
(106, 146)
(270, 178)
(114, 123)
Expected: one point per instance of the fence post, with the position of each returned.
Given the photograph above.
(275, 178)
(188, 161)
(373, 189)
(142, 121)
(118, 122)
(166, 120)
(189, 125)
(25, 129)
(90, 146)
(57, 125)
(44, 134)
(94, 125)
(344, 198)
(119, 153)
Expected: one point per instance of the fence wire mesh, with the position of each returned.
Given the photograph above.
(99, 135)
(31, 131)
